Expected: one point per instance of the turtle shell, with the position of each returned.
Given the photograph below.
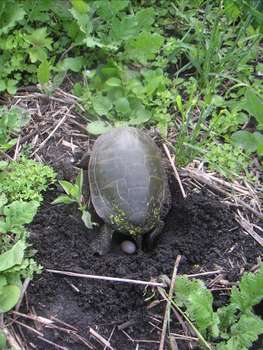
(127, 180)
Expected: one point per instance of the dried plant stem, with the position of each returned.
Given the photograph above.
(106, 278)
(175, 170)
(168, 305)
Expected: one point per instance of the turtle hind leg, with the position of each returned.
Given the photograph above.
(150, 238)
(102, 244)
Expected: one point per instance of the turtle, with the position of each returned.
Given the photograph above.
(128, 186)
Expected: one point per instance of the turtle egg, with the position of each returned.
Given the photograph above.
(128, 247)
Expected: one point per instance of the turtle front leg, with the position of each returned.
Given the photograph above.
(150, 239)
(102, 244)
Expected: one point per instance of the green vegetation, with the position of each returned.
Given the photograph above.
(231, 327)
(74, 195)
(191, 68)
(194, 67)
(21, 184)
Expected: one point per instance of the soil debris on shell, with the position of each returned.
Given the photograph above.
(199, 228)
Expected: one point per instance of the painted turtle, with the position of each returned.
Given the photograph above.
(128, 185)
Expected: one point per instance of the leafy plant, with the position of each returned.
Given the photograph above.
(231, 327)
(25, 179)
(74, 195)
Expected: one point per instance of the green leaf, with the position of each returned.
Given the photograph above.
(11, 15)
(72, 63)
(141, 116)
(37, 54)
(243, 333)
(254, 105)
(259, 142)
(9, 296)
(86, 218)
(83, 20)
(145, 18)
(102, 105)
(70, 189)
(198, 300)
(43, 72)
(63, 199)
(249, 292)
(122, 105)
(2, 85)
(20, 213)
(2, 340)
(80, 5)
(113, 82)
(98, 127)
(245, 140)
(11, 86)
(13, 256)
(124, 29)
(144, 47)
(3, 200)
(39, 38)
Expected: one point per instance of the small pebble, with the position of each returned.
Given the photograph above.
(128, 247)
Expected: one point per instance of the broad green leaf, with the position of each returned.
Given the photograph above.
(249, 291)
(3, 164)
(13, 256)
(102, 105)
(113, 82)
(39, 38)
(198, 300)
(3, 280)
(254, 105)
(11, 86)
(86, 218)
(98, 127)
(37, 54)
(144, 47)
(259, 142)
(145, 18)
(72, 63)
(9, 296)
(125, 28)
(63, 199)
(243, 333)
(43, 72)
(70, 189)
(122, 105)
(20, 213)
(11, 15)
(142, 115)
(244, 139)
(83, 20)
(80, 5)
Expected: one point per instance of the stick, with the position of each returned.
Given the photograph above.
(205, 273)
(22, 293)
(54, 344)
(174, 169)
(100, 338)
(106, 278)
(168, 305)
(53, 131)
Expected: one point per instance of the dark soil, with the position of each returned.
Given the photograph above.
(201, 228)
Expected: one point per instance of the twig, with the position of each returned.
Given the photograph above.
(53, 131)
(106, 278)
(248, 227)
(11, 340)
(205, 273)
(168, 305)
(52, 343)
(22, 293)
(174, 169)
(100, 338)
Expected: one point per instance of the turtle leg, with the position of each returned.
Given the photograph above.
(152, 236)
(101, 245)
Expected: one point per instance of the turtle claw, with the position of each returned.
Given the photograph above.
(150, 239)
(102, 244)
